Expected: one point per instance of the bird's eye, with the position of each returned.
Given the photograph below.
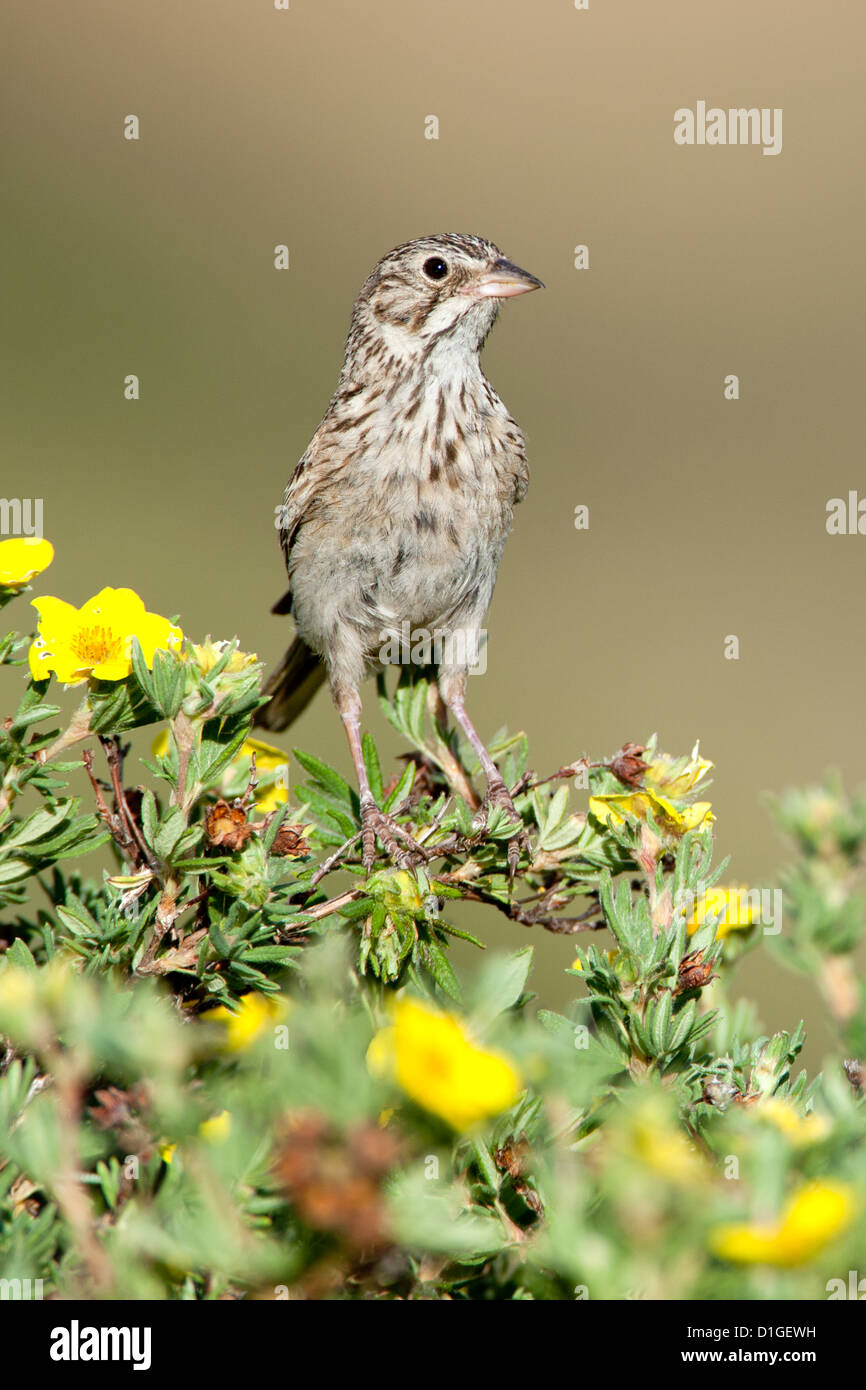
(435, 268)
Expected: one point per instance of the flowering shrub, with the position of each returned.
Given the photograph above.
(232, 1063)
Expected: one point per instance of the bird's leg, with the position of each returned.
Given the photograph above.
(398, 843)
(497, 792)
(454, 773)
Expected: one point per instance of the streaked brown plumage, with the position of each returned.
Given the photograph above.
(399, 510)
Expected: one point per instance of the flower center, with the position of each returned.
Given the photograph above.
(93, 645)
(437, 1063)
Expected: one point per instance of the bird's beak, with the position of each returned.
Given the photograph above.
(502, 281)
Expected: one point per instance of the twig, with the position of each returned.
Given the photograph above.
(114, 821)
(315, 914)
(71, 1196)
(249, 795)
(569, 770)
(532, 917)
(334, 859)
(114, 756)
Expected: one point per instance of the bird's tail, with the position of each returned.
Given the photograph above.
(291, 687)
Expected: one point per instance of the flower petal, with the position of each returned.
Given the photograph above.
(56, 616)
(22, 557)
(118, 608)
(155, 634)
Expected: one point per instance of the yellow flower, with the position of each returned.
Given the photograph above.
(257, 1012)
(441, 1068)
(17, 989)
(800, 1129)
(217, 1129)
(209, 653)
(22, 558)
(731, 905)
(614, 808)
(655, 1141)
(167, 1152)
(96, 640)
(268, 759)
(815, 1215)
(673, 776)
(399, 889)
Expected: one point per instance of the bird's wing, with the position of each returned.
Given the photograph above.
(300, 490)
(521, 479)
(315, 479)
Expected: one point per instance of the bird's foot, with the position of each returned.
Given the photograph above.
(498, 795)
(398, 844)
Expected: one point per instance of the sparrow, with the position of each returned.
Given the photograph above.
(396, 517)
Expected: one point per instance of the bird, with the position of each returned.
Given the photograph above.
(396, 516)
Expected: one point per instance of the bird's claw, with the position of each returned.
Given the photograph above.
(519, 842)
(398, 844)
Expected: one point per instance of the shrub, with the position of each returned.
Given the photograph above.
(233, 1064)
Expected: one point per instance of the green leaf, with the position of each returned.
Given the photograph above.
(440, 968)
(149, 817)
(169, 679)
(39, 824)
(32, 715)
(331, 813)
(359, 908)
(461, 935)
(682, 1024)
(76, 918)
(402, 789)
(373, 766)
(115, 707)
(200, 864)
(220, 943)
(555, 1023)
(276, 955)
(659, 1022)
(19, 954)
(640, 1034)
(13, 869)
(501, 984)
(141, 672)
(270, 834)
(76, 846)
(109, 1175)
(703, 1025)
(169, 831)
(487, 1167)
(417, 707)
(566, 833)
(326, 777)
(214, 756)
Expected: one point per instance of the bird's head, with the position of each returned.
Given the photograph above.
(436, 293)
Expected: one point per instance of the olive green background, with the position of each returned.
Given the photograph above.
(707, 517)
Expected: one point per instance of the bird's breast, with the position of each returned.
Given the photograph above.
(411, 517)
